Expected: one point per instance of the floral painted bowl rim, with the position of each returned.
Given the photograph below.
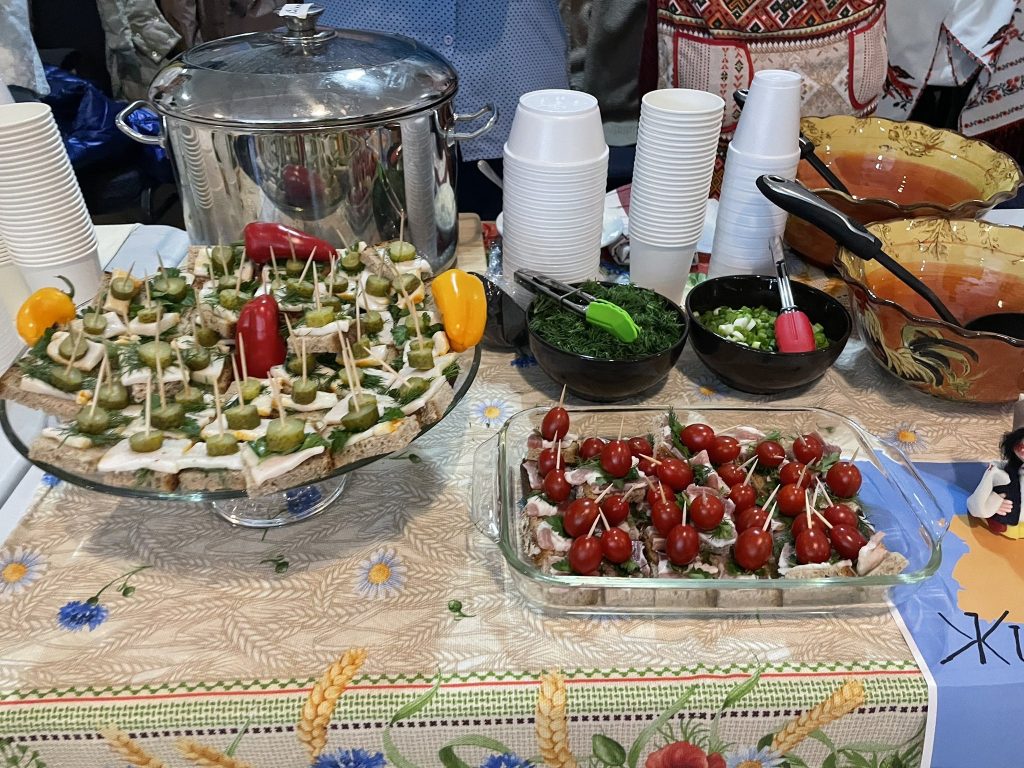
(949, 210)
(850, 280)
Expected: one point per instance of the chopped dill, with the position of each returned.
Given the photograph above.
(659, 324)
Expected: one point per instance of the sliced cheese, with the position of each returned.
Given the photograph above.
(114, 325)
(377, 354)
(170, 375)
(377, 430)
(121, 458)
(166, 322)
(322, 402)
(243, 435)
(417, 266)
(335, 415)
(210, 373)
(73, 441)
(422, 400)
(91, 358)
(39, 387)
(196, 457)
(274, 466)
(331, 329)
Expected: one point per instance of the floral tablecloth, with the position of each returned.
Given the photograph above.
(387, 631)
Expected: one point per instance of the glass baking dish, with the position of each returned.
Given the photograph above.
(894, 498)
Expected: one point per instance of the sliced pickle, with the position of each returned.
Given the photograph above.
(226, 282)
(222, 259)
(206, 337)
(67, 348)
(147, 315)
(301, 288)
(198, 358)
(304, 392)
(113, 397)
(92, 421)
(285, 436)
(170, 416)
(94, 323)
(150, 350)
(411, 388)
(221, 445)
(146, 442)
(361, 349)
(177, 288)
(251, 389)
(421, 359)
(343, 375)
(378, 286)
(190, 398)
(318, 318)
(372, 322)
(407, 282)
(123, 288)
(293, 268)
(362, 399)
(294, 364)
(361, 418)
(351, 262)
(232, 299)
(331, 302)
(242, 417)
(400, 250)
(66, 379)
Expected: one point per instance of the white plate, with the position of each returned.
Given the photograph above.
(614, 226)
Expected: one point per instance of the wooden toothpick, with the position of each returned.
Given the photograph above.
(74, 351)
(316, 291)
(750, 472)
(216, 408)
(160, 376)
(183, 369)
(149, 398)
(303, 359)
(238, 383)
(308, 262)
(561, 397)
(241, 357)
(96, 389)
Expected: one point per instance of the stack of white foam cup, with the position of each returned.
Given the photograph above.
(766, 141)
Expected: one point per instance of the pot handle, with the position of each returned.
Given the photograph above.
(122, 125)
(454, 135)
(484, 509)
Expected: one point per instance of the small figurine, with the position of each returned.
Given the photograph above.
(997, 499)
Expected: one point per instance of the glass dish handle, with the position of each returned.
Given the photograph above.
(484, 508)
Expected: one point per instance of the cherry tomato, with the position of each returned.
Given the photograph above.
(724, 449)
(791, 474)
(615, 508)
(665, 516)
(813, 546)
(800, 525)
(706, 512)
(840, 514)
(556, 486)
(790, 499)
(682, 544)
(770, 453)
(658, 492)
(638, 445)
(808, 449)
(752, 549)
(585, 554)
(616, 460)
(546, 461)
(844, 479)
(847, 540)
(743, 496)
(751, 517)
(647, 466)
(676, 474)
(616, 545)
(555, 424)
(579, 517)
(731, 474)
(591, 447)
(697, 437)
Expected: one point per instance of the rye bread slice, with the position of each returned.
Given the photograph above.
(10, 389)
(79, 461)
(312, 470)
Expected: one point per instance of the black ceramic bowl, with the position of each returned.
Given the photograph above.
(751, 370)
(603, 380)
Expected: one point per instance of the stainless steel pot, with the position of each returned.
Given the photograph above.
(335, 132)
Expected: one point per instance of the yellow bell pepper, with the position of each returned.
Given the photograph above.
(463, 304)
(44, 308)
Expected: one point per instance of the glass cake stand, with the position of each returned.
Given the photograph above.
(276, 509)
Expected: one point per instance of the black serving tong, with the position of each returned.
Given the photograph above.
(806, 150)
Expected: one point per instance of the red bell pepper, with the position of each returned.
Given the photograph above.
(262, 236)
(258, 330)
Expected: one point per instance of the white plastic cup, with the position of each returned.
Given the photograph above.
(557, 126)
(773, 101)
(722, 263)
(84, 273)
(661, 268)
(23, 117)
(678, 103)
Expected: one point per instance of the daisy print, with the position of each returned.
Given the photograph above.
(907, 437)
(381, 575)
(492, 412)
(19, 568)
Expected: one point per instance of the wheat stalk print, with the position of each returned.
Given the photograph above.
(552, 724)
(208, 757)
(124, 746)
(317, 711)
(842, 702)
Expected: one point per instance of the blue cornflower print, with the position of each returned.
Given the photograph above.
(302, 499)
(77, 615)
(523, 360)
(506, 760)
(50, 480)
(350, 758)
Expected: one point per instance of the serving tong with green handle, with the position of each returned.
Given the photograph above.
(599, 313)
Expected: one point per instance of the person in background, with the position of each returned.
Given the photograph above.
(500, 49)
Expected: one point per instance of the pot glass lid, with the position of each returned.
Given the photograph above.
(303, 76)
